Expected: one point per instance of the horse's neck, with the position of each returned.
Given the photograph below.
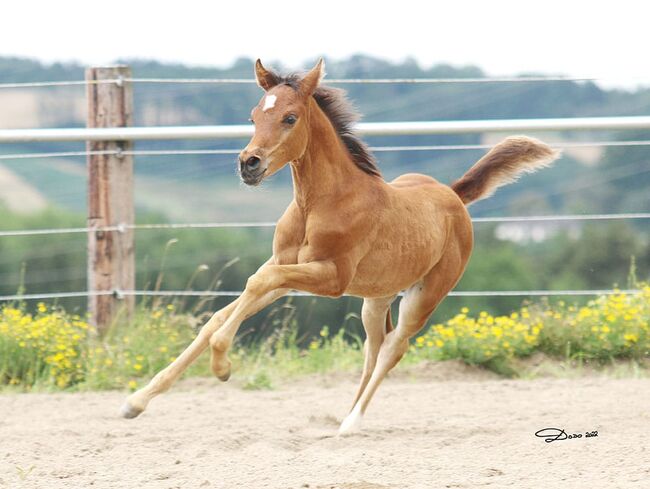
(326, 170)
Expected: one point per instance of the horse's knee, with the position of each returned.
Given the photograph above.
(258, 284)
(213, 324)
(218, 343)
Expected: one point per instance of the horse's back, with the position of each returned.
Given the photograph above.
(426, 193)
(413, 180)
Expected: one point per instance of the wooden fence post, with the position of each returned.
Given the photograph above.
(111, 263)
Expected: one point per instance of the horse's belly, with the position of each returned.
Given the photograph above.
(396, 262)
(364, 286)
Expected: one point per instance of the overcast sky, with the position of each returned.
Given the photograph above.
(574, 37)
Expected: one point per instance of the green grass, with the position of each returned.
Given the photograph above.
(54, 350)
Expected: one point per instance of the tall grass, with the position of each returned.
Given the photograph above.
(51, 349)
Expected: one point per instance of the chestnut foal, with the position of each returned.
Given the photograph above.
(347, 231)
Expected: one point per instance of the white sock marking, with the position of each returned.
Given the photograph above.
(269, 102)
(352, 423)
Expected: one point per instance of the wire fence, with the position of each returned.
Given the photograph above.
(270, 224)
(379, 149)
(214, 225)
(120, 294)
(341, 81)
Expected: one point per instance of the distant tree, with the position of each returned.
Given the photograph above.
(598, 258)
(626, 169)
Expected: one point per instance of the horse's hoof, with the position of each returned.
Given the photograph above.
(129, 412)
(222, 370)
(224, 377)
(351, 424)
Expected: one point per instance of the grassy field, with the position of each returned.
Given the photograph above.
(51, 349)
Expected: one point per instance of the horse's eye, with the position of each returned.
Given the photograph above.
(290, 119)
(251, 121)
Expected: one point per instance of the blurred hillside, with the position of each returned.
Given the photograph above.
(586, 180)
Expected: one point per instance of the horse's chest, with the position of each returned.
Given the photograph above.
(301, 251)
(287, 246)
(286, 253)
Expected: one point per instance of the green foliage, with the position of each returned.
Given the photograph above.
(595, 257)
(55, 350)
(609, 327)
(258, 381)
(282, 356)
(599, 256)
(46, 348)
(137, 350)
(482, 339)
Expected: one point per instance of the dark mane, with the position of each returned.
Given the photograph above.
(342, 115)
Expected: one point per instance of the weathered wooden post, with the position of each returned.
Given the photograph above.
(111, 264)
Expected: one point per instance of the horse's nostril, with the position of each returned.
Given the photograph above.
(253, 163)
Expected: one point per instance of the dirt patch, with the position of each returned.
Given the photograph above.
(420, 432)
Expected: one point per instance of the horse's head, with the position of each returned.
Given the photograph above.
(281, 121)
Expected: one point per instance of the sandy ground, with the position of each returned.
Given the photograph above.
(444, 428)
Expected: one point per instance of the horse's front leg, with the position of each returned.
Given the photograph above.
(163, 380)
(220, 362)
(264, 287)
(137, 402)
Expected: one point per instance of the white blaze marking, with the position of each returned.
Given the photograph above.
(269, 102)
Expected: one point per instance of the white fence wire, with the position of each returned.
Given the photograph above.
(401, 128)
(379, 149)
(271, 224)
(380, 81)
(235, 293)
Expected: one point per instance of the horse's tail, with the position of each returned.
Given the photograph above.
(502, 165)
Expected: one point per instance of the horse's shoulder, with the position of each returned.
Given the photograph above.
(289, 235)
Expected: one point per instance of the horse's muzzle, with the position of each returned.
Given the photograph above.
(252, 177)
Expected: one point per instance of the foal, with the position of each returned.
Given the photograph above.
(347, 231)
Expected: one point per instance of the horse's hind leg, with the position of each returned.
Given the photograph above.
(416, 306)
(373, 316)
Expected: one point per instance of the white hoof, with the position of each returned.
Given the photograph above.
(352, 423)
(128, 411)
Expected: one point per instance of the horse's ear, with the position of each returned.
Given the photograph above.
(311, 80)
(265, 79)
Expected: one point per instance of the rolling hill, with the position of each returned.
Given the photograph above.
(209, 189)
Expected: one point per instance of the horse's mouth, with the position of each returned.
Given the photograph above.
(252, 178)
